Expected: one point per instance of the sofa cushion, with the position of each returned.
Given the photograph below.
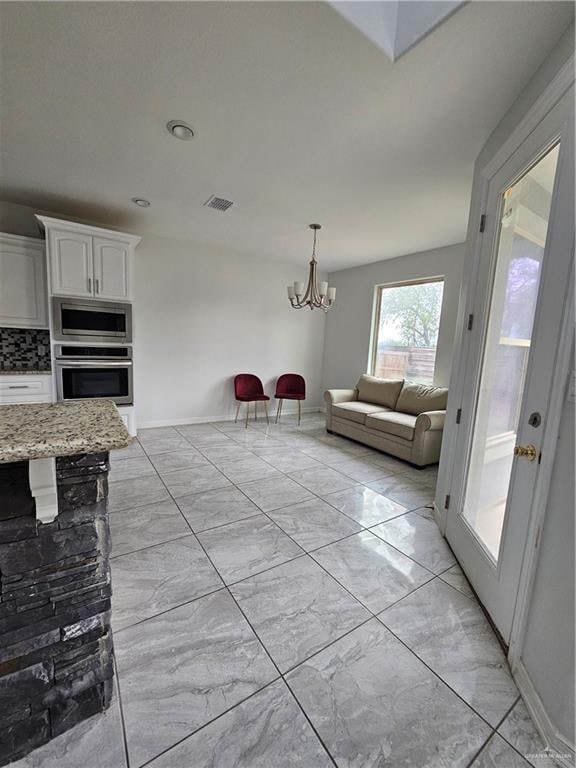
(382, 391)
(394, 423)
(417, 398)
(355, 411)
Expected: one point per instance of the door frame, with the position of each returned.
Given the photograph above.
(544, 104)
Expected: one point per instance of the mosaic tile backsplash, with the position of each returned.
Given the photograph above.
(24, 349)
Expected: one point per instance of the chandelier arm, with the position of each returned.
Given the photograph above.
(308, 295)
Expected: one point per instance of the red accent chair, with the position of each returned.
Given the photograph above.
(290, 386)
(248, 389)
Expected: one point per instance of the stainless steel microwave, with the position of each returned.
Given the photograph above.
(91, 321)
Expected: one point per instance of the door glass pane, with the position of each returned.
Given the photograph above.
(526, 209)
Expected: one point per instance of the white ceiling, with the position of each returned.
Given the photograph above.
(299, 118)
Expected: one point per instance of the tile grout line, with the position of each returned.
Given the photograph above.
(150, 546)
(495, 732)
(121, 707)
(167, 610)
(209, 722)
(507, 741)
(436, 674)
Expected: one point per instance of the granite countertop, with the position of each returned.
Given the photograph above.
(22, 371)
(60, 429)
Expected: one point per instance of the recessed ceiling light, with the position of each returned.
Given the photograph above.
(141, 202)
(180, 130)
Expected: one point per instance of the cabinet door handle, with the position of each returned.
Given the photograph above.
(97, 285)
(89, 285)
(18, 386)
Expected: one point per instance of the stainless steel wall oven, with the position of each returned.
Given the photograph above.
(84, 372)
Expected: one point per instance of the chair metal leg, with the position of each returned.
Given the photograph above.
(281, 404)
(266, 410)
(278, 410)
(247, 414)
(255, 410)
(237, 411)
(299, 411)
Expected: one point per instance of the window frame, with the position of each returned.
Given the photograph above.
(377, 310)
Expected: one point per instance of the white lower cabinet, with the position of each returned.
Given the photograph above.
(24, 388)
(128, 416)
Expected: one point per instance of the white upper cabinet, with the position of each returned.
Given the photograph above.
(112, 268)
(71, 263)
(88, 261)
(22, 282)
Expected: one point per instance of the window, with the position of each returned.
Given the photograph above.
(406, 330)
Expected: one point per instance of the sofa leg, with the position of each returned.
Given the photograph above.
(329, 431)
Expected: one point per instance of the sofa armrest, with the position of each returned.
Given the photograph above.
(333, 396)
(430, 421)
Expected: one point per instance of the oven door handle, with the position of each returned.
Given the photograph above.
(95, 364)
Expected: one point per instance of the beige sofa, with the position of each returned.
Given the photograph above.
(392, 415)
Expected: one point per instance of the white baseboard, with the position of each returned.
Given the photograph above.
(176, 421)
(563, 752)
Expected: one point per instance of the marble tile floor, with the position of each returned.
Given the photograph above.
(282, 598)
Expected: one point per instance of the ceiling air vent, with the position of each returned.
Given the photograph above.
(219, 203)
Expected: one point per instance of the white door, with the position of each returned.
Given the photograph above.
(71, 263)
(517, 313)
(111, 269)
(22, 283)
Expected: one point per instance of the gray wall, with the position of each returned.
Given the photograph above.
(548, 652)
(348, 325)
(203, 314)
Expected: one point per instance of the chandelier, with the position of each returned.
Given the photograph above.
(317, 295)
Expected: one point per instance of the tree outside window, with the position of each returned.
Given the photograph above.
(408, 320)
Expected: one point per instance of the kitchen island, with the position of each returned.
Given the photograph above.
(56, 651)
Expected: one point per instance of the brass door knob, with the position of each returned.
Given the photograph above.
(527, 451)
